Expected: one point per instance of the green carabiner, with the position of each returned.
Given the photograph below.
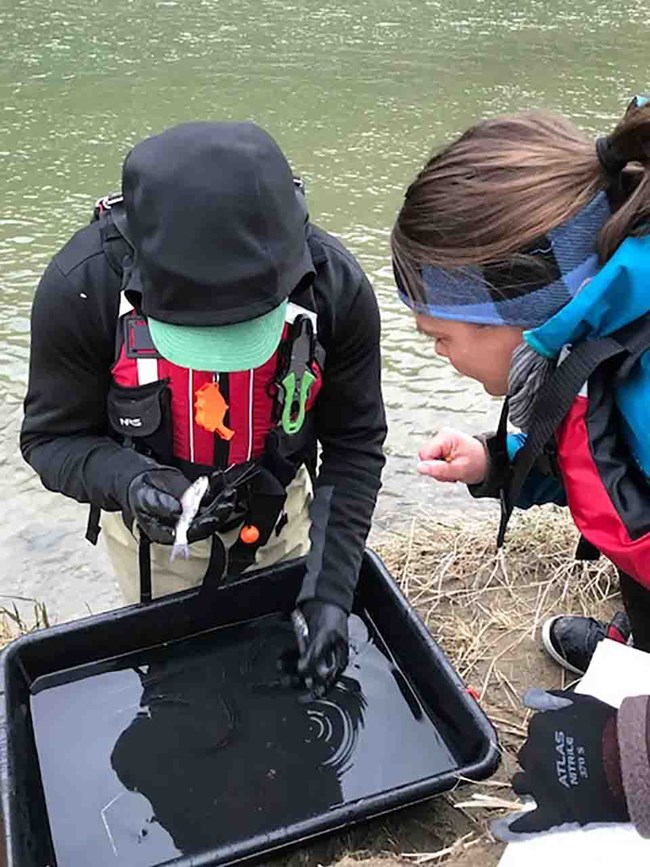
(292, 422)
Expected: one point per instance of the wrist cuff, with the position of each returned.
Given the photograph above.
(498, 467)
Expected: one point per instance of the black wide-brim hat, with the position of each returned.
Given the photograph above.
(219, 238)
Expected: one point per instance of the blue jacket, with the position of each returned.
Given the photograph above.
(618, 294)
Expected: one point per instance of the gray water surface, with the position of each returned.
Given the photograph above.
(357, 94)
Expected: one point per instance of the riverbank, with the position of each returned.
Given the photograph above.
(485, 609)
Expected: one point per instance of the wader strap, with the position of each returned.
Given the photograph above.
(144, 562)
(93, 528)
(558, 394)
(217, 563)
(267, 499)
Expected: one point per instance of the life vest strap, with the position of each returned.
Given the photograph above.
(93, 527)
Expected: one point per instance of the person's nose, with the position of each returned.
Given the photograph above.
(440, 350)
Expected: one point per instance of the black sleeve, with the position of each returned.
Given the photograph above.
(64, 435)
(351, 428)
(543, 483)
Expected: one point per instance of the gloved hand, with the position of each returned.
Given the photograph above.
(154, 501)
(570, 766)
(214, 515)
(222, 507)
(325, 654)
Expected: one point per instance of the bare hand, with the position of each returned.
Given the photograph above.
(453, 456)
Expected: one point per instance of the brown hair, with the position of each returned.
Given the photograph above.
(506, 182)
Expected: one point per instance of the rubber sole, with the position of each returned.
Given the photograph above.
(552, 652)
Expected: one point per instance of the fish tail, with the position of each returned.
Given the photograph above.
(180, 552)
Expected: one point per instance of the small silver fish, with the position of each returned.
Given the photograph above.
(301, 630)
(190, 502)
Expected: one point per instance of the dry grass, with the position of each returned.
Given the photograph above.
(481, 604)
(13, 622)
(8, 627)
(6, 633)
(485, 608)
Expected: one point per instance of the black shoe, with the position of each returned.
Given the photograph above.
(571, 640)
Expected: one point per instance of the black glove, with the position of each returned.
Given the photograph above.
(570, 766)
(325, 654)
(154, 502)
(223, 506)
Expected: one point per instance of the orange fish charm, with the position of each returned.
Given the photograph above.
(210, 410)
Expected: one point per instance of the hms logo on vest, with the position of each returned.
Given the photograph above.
(131, 422)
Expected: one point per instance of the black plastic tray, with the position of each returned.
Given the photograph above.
(26, 836)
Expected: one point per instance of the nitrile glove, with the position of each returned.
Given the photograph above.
(325, 655)
(570, 767)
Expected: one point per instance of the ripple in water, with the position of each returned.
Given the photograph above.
(182, 748)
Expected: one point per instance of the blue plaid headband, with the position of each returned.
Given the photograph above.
(525, 291)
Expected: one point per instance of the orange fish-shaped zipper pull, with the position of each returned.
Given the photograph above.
(210, 410)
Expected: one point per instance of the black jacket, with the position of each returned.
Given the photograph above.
(65, 434)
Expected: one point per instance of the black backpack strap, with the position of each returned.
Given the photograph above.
(558, 394)
(118, 216)
(637, 342)
(115, 243)
(586, 551)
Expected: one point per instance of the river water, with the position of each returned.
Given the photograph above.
(357, 94)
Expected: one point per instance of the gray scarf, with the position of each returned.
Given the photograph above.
(528, 372)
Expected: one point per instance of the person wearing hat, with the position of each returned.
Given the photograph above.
(201, 325)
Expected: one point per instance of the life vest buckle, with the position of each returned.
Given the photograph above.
(137, 338)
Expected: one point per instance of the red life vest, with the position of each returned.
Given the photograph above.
(251, 395)
(607, 494)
